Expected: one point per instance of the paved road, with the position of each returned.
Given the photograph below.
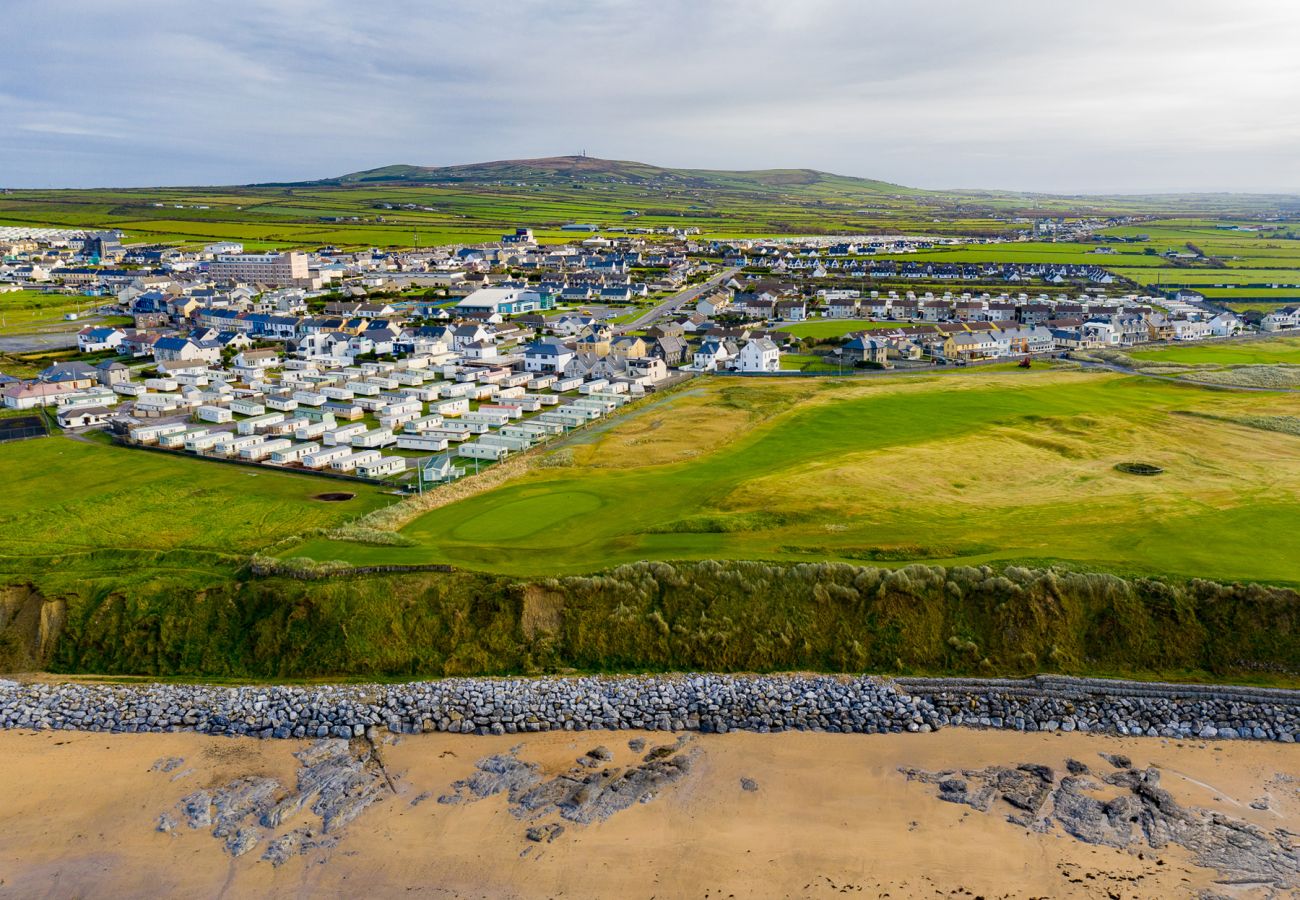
(29, 343)
(677, 301)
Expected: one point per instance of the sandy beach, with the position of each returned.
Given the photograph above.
(791, 815)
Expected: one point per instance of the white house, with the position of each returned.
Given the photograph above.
(758, 355)
(92, 340)
(713, 355)
(1225, 324)
(547, 355)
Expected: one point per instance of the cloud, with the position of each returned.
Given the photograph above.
(1105, 96)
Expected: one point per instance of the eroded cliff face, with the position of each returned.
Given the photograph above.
(30, 625)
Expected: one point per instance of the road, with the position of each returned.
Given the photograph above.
(678, 300)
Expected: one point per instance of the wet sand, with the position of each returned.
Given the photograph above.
(831, 814)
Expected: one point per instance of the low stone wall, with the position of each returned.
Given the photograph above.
(707, 703)
(1153, 709)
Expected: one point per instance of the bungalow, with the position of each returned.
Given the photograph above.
(258, 359)
(83, 416)
(31, 396)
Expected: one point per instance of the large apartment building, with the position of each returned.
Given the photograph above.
(274, 269)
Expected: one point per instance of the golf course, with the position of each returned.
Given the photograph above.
(991, 467)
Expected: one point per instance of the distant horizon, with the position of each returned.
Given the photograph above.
(1099, 193)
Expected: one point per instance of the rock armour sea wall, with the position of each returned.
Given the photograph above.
(705, 703)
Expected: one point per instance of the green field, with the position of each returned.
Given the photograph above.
(25, 312)
(897, 469)
(825, 328)
(65, 498)
(1258, 352)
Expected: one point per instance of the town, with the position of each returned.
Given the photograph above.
(419, 366)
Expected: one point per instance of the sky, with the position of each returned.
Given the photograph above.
(1096, 97)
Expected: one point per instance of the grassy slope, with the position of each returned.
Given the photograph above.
(740, 616)
(969, 468)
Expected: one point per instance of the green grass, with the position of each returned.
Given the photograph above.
(1258, 352)
(30, 311)
(824, 328)
(65, 497)
(807, 362)
(969, 469)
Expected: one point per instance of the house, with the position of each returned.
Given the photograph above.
(1019, 341)
(76, 375)
(31, 395)
(470, 333)
(842, 308)
(547, 355)
(758, 355)
(258, 359)
(112, 372)
(1226, 324)
(597, 340)
(93, 340)
(864, 349)
(712, 304)
(713, 355)
(965, 345)
(1281, 319)
(791, 310)
(1190, 329)
(670, 348)
(182, 349)
(82, 416)
(649, 369)
(629, 346)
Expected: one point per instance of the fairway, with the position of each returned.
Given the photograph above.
(1260, 352)
(968, 468)
(65, 496)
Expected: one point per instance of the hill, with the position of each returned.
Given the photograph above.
(553, 170)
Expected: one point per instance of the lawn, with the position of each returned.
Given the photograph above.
(1267, 351)
(970, 468)
(65, 496)
(825, 328)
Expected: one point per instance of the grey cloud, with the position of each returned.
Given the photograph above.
(1104, 96)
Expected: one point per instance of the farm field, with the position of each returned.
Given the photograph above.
(66, 497)
(960, 469)
(1260, 352)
